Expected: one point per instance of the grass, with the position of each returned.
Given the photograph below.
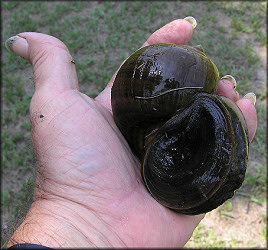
(206, 238)
(257, 179)
(203, 238)
(264, 228)
(225, 208)
(100, 35)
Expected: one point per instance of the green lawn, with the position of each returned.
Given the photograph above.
(100, 35)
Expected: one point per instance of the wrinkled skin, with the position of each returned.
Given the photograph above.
(89, 190)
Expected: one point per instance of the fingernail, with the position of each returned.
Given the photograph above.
(231, 79)
(251, 96)
(10, 41)
(191, 20)
(199, 47)
(18, 45)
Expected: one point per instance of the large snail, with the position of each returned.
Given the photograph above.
(192, 143)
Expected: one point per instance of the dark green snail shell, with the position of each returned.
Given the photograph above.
(193, 144)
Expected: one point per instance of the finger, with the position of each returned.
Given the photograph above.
(248, 109)
(226, 88)
(177, 32)
(51, 61)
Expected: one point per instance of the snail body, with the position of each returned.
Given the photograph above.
(192, 143)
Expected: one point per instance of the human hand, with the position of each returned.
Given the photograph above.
(89, 190)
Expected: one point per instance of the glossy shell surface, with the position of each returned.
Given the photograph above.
(192, 143)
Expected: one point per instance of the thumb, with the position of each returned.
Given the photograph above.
(52, 63)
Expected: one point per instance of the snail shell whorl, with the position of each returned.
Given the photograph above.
(148, 87)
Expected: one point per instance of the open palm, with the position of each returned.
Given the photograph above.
(88, 182)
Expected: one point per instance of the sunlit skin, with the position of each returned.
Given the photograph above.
(89, 190)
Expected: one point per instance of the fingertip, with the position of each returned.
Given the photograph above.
(177, 32)
(227, 88)
(35, 36)
(248, 109)
(37, 41)
(27, 44)
(18, 45)
(49, 56)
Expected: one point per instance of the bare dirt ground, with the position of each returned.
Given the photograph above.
(242, 224)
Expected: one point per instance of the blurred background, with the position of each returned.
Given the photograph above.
(100, 35)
